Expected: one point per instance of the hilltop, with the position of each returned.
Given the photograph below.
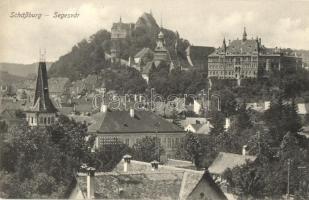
(90, 56)
(22, 70)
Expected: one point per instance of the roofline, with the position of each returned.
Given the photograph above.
(98, 132)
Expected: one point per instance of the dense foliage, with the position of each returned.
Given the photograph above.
(176, 82)
(273, 137)
(85, 58)
(40, 163)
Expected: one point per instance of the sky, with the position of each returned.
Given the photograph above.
(280, 23)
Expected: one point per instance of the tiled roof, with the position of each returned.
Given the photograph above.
(180, 164)
(192, 120)
(140, 182)
(205, 128)
(196, 126)
(122, 26)
(135, 186)
(197, 55)
(240, 47)
(119, 121)
(228, 160)
(7, 103)
(143, 52)
(146, 68)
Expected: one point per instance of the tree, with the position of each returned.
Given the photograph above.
(217, 120)
(190, 149)
(247, 180)
(39, 161)
(109, 155)
(148, 149)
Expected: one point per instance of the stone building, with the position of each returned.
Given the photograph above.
(113, 126)
(160, 55)
(248, 58)
(119, 31)
(42, 112)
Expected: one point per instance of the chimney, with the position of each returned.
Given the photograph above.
(140, 98)
(132, 112)
(103, 108)
(154, 165)
(245, 150)
(90, 182)
(227, 123)
(135, 97)
(127, 160)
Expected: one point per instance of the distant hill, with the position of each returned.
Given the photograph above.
(7, 78)
(22, 70)
(88, 56)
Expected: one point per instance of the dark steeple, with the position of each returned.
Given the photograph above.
(224, 45)
(244, 35)
(42, 103)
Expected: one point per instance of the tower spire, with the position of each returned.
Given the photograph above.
(244, 35)
(224, 45)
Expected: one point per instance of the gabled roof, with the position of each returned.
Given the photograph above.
(141, 182)
(197, 55)
(180, 164)
(228, 160)
(240, 47)
(143, 52)
(8, 114)
(122, 26)
(193, 120)
(41, 102)
(196, 126)
(146, 69)
(119, 121)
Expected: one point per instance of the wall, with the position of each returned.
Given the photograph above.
(169, 141)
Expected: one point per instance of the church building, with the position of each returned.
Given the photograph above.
(42, 112)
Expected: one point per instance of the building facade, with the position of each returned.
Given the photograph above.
(248, 58)
(119, 31)
(128, 127)
(42, 112)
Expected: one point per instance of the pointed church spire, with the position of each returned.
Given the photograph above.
(41, 102)
(120, 20)
(244, 35)
(224, 45)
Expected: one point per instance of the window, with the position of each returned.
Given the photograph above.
(237, 61)
(48, 120)
(44, 120)
(52, 120)
(31, 120)
(177, 141)
(127, 141)
(41, 120)
(169, 143)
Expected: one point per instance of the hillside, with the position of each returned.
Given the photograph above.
(22, 70)
(7, 78)
(88, 56)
